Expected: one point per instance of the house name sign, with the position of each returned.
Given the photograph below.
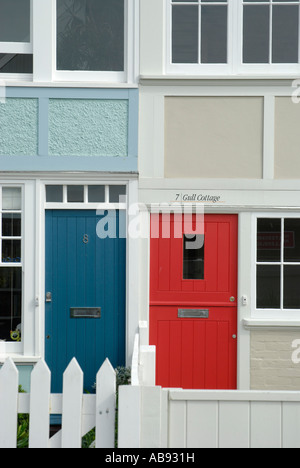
(182, 197)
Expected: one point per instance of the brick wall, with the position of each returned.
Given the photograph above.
(272, 367)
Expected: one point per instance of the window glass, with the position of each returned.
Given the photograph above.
(54, 193)
(10, 263)
(193, 257)
(96, 193)
(16, 63)
(10, 303)
(201, 24)
(291, 297)
(268, 240)
(268, 287)
(14, 20)
(75, 193)
(90, 35)
(270, 32)
(115, 192)
(11, 198)
(278, 263)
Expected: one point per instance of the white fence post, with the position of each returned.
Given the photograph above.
(106, 406)
(39, 406)
(129, 417)
(72, 406)
(9, 380)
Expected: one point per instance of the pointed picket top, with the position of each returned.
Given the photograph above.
(39, 405)
(41, 368)
(9, 381)
(73, 369)
(106, 370)
(105, 405)
(8, 368)
(72, 405)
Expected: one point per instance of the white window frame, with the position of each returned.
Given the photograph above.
(25, 350)
(43, 47)
(19, 48)
(235, 65)
(281, 313)
(128, 75)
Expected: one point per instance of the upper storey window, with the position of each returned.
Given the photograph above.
(91, 36)
(234, 36)
(15, 37)
(69, 40)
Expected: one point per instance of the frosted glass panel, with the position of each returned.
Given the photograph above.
(11, 198)
(90, 35)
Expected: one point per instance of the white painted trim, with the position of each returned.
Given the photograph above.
(16, 48)
(282, 315)
(269, 137)
(43, 39)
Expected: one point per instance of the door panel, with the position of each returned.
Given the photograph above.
(195, 352)
(83, 271)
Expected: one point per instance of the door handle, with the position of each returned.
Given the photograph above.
(48, 297)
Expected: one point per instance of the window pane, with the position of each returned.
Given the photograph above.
(11, 251)
(256, 34)
(185, 26)
(213, 34)
(11, 225)
(268, 240)
(10, 300)
(11, 198)
(75, 193)
(90, 35)
(193, 257)
(268, 286)
(291, 298)
(14, 20)
(292, 240)
(285, 33)
(54, 193)
(115, 192)
(16, 63)
(96, 194)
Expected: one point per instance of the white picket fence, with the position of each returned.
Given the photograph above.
(80, 412)
(178, 419)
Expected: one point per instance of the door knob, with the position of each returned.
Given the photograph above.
(232, 299)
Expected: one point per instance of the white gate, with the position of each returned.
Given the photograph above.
(80, 412)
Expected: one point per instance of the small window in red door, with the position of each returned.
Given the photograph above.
(193, 256)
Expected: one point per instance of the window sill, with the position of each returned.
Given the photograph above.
(66, 84)
(215, 79)
(271, 324)
(19, 358)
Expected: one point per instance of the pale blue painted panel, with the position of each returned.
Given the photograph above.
(88, 127)
(19, 127)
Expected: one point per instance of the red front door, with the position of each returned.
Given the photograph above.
(193, 307)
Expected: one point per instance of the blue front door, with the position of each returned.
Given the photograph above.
(85, 294)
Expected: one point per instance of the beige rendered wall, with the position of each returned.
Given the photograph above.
(287, 149)
(214, 137)
(272, 367)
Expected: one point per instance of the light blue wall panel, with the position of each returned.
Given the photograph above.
(69, 129)
(19, 127)
(87, 127)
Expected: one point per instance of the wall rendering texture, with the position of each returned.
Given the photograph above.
(19, 127)
(86, 127)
